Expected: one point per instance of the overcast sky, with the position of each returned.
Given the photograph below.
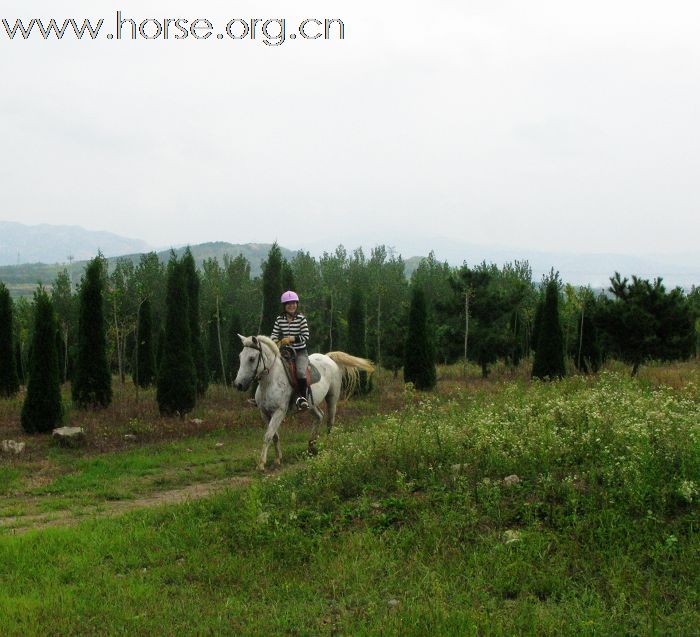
(545, 125)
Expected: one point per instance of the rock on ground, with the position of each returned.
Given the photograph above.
(69, 436)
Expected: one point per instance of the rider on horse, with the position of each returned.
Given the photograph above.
(291, 329)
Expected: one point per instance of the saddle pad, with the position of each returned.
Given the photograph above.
(315, 374)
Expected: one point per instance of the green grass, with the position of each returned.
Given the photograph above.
(77, 481)
(599, 536)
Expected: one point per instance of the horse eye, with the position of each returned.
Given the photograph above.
(251, 359)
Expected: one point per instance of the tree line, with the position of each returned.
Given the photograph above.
(175, 325)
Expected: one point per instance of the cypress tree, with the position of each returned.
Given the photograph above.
(161, 347)
(272, 288)
(419, 357)
(42, 410)
(588, 355)
(177, 377)
(92, 380)
(198, 354)
(19, 365)
(234, 345)
(549, 355)
(61, 351)
(146, 362)
(357, 339)
(9, 381)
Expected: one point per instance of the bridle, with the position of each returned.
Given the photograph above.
(261, 359)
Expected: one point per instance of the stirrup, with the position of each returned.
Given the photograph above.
(302, 403)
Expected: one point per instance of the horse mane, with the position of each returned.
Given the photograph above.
(265, 340)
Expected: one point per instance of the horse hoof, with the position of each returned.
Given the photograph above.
(313, 450)
(261, 466)
(278, 462)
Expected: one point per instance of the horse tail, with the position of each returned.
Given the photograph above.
(350, 366)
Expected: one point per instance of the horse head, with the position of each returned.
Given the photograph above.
(253, 359)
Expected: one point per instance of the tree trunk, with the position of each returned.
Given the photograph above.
(580, 340)
(116, 336)
(379, 330)
(330, 327)
(221, 349)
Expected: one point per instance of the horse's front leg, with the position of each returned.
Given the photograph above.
(270, 436)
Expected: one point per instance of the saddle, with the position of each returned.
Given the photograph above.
(289, 360)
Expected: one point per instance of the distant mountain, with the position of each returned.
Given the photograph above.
(23, 279)
(578, 269)
(682, 269)
(20, 243)
(255, 253)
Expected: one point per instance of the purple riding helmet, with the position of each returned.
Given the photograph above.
(289, 297)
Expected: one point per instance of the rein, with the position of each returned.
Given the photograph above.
(261, 358)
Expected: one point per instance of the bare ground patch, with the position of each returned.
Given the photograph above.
(22, 523)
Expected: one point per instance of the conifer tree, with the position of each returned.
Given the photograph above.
(177, 377)
(272, 289)
(9, 381)
(42, 410)
(549, 355)
(161, 347)
(288, 282)
(92, 380)
(357, 325)
(145, 359)
(19, 364)
(198, 354)
(61, 351)
(419, 357)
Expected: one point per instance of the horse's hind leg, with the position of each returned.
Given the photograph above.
(332, 402)
(278, 449)
(314, 432)
(270, 435)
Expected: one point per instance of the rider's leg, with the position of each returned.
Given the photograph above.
(302, 364)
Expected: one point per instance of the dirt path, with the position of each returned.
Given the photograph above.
(23, 523)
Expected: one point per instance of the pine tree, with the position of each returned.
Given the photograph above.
(92, 380)
(549, 355)
(177, 377)
(42, 410)
(272, 288)
(198, 354)
(419, 357)
(9, 381)
(145, 359)
(357, 326)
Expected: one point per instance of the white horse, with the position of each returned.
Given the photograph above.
(260, 360)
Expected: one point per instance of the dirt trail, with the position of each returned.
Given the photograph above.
(23, 523)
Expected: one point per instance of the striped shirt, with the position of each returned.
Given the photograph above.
(297, 327)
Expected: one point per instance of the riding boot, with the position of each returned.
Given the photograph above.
(302, 403)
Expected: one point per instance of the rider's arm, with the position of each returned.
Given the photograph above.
(303, 336)
(276, 330)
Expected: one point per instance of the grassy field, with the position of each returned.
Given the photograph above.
(492, 507)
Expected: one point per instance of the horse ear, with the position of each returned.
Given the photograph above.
(242, 338)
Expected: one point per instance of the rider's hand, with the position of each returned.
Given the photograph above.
(287, 340)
